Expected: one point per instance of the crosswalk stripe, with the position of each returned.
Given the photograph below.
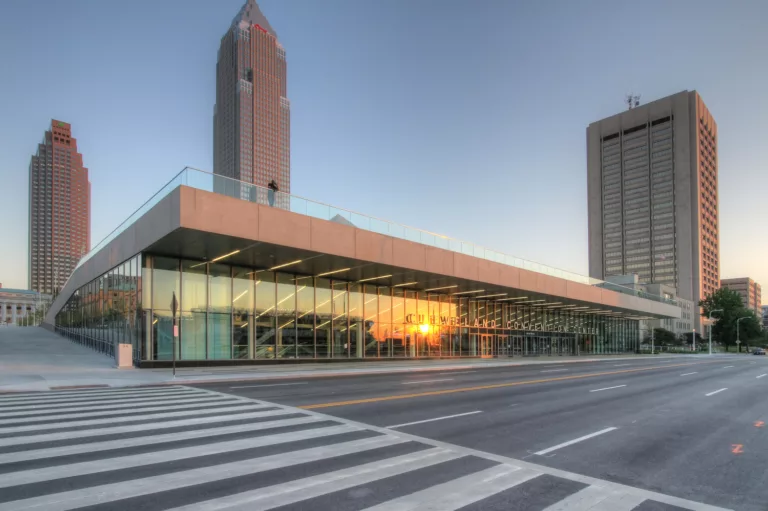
(86, 392)
(40, 475)
(67, 450)
(618, 501)
(73, 413)
(302, 489)
(101, 405)
(91, 433)
(100, 397)
(73, 499)
(100, 390)
(462, 491)
(152, 416)
(582, 499)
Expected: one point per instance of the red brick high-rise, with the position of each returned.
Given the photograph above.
(59, 210)
(251, 119)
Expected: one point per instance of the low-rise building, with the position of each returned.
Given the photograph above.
(679, 326)
(16, 305)
(206, 278)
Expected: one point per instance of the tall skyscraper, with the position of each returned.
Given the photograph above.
(653, 200)
(59, 209)
(251, 118)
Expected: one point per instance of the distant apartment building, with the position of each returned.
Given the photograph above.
(749, 291)
(251, 119)
(59, 209)
(653, 196)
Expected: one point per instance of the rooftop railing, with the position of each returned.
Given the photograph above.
(207, 181)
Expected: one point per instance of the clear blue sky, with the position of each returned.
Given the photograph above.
(463, 117)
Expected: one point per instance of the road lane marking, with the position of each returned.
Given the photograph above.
(458, 372)
(433, 420)
(737, 448)
(574, 441)
(424, 381)
(554, 370)
(608, 388)
(716, 392)
(622, 365)
(488, 387)
(758, 377)
(268, 385)
(726, 367)
(688, 374)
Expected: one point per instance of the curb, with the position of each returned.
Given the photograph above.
(263, 377)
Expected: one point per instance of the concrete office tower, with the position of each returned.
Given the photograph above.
(251, 119)
(653, 206)
(749, 291)
(59, 210)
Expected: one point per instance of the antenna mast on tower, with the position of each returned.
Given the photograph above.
(632, 101)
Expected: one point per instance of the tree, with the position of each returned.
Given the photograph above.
(688, 339)
(732, 308)
(661, 337)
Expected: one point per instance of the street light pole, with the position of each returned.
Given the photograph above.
(652, 341)
(738, 341)
(710, 328)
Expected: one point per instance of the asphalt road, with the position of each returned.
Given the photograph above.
(690, 427)
(617, 435)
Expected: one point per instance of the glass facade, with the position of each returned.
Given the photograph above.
(108, 310)
(228, 312)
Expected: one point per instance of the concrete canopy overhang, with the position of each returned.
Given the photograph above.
(210, 227)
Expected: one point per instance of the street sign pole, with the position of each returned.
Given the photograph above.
(174, 306)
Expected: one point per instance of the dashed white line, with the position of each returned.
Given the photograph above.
(574, 441)
(553, 370)
(621, 365)
(269, 385)
(435, 419)
(688, 374)
(716, 392)
(758, 377)
(608, 388)
(459, 372)
(726, 367)
(425, 381)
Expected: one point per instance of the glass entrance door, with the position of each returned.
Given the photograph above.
(564, 346)
(503, 346)
(545, 347)
(486, 346)
(517, 345)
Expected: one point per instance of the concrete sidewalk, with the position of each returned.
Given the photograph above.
(34, 359)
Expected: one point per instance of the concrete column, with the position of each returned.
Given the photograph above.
(3, 312)
(13, 312)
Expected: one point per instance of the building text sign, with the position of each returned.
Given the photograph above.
(421, 319)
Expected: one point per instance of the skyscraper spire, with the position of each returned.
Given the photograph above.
(250, 14)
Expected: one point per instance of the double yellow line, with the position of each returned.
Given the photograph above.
(486, 387)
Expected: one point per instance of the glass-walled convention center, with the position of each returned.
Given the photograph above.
(229, 312)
